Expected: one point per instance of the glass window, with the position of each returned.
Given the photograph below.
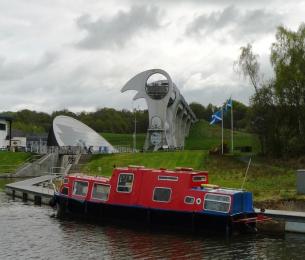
(80, 188)
(167, 178)
(199, 178)
(65, 190)
(100, 191)
(162, 194)
(125, 182)
(189, 200)
(66, 180)
(214, 202)
(3, 127)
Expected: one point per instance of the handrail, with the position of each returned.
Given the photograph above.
(52, 170)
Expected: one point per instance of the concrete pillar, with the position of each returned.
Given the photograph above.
(183, 127)
(178, 127)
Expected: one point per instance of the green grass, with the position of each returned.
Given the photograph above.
(266, 181)
(202, 137)
(125, 139)
(10, 161)
(103, 164)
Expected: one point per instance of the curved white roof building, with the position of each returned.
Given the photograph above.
(68, 131)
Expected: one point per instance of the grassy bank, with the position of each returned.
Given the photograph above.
(10, 161)
(103, 164)
(266, 181)
(202, 137)
(125, 139)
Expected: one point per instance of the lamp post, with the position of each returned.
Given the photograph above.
(135, 131)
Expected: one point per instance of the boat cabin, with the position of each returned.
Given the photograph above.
(182, 189)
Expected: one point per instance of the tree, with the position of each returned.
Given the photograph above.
(198, 109)
(248, 65)
(278, 106)
(288, 60)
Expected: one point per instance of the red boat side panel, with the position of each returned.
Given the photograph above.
(177, 190)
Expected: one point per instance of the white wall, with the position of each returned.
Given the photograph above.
(19, 141)
(4, 134)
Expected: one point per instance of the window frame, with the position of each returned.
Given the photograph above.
(98, 183)
(117, 186)
(201, 176)
(225, 202)
(170, 195)
(77, 195)
(3, 127)
(167, 178)
(65, 187)
(188, 202)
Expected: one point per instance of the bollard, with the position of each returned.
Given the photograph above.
(300, 181)
(24, 197)
(37, 200)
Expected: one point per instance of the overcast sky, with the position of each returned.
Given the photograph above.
(77, 54)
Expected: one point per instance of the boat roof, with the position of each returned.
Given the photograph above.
(228, 191)
(180, 170)
(89, 177)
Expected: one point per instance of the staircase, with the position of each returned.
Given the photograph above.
(83, 159)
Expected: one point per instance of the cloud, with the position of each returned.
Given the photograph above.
(19, 69)
(117, 31)
(234, 22)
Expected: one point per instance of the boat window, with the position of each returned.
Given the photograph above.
(125, 182)
(80, 188)
(189, 200)
(65, 190)
(199, 178)
(162, 194)
(167, 178)
(215, 202)
(100, 191)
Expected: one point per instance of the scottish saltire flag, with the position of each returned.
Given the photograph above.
(216, 117)
(228, 104)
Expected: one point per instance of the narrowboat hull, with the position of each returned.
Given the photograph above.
(151, 217)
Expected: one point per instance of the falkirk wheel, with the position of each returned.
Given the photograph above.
(170, 117)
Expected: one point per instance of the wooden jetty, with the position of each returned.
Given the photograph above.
(285, 221)
(36, 189)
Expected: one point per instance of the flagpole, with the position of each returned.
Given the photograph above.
(232, 127)
(222, 130)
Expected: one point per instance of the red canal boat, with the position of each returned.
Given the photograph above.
(181, 197)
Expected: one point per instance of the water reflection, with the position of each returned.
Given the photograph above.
(29, 231)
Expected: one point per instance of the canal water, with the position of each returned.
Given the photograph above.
(31, 232)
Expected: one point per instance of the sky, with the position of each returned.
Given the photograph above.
(78, 54)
